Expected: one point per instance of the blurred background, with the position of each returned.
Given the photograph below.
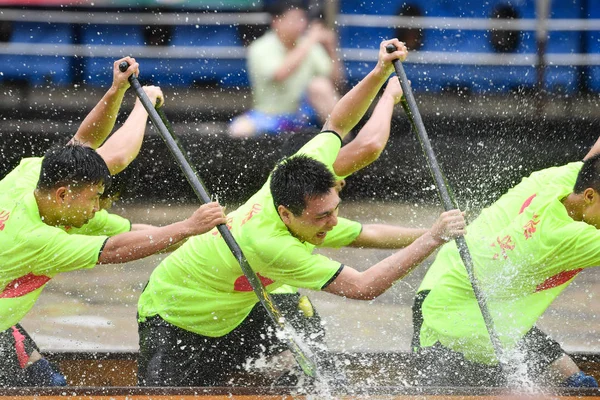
(505, 87)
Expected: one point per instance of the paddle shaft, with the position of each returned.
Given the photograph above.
(164, 128)
(410, 107)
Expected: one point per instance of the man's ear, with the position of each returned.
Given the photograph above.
(284, 214)
(590, 195)
(60, 195)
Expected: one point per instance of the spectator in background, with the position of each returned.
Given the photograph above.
(294, 70)
(412, 37)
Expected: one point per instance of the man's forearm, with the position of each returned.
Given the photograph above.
(124, 145)
(369, 142)
(134, 245)
(379, 236)
(380, 277)
(352, 107)
(98, 124)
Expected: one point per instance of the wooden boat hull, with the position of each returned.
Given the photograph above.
(270, 393)
(373, 376)
(372, 369)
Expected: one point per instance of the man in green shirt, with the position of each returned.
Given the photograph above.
(50, 222)
(526, 247)
(361, 151)
(199, 320)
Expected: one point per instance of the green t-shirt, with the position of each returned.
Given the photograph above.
(525, 249)
(31, 252)
(346, 231)
(201, 287)
(265, 56)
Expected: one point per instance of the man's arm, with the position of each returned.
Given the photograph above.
(379, 236)
(141, 227)
(100, 121)
(294, 58)
(133, 245)
(380, 277)
(123, 146)
(593, 151)
(373, 137)
(350, 109)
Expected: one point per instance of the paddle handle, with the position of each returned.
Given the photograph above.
(410, 106)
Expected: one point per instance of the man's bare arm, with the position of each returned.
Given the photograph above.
(99, 123)
(350, 109)
(380, 277)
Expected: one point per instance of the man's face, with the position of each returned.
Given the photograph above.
(291, 25)
(591, 213)
(318, 218)
(79, 204)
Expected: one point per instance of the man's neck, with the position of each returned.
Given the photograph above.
(44, 201)
(574, 206)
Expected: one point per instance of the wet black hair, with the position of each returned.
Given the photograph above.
(74, 164)
(298, 178)
(589, 175)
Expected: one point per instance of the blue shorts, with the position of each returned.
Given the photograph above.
(275, 124)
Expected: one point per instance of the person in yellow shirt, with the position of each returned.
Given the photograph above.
(527, 247)
(199, 320)
(51, 222)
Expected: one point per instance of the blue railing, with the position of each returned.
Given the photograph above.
(456, 47)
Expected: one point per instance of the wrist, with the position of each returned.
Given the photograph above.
(438, 240)
(381, 72)
(116, 90)
(388, 97)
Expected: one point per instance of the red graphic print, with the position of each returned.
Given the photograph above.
(526, 203)
(256, 208)
(23, 285)
(529, 227)
(4, 215)
(558, 279)
(243, 285)
(505, 243)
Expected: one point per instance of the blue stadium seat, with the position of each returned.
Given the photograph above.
(593, 46)
(503, 78)
(198, 69)
(97, 70)
(564, 78)
(34, 69)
